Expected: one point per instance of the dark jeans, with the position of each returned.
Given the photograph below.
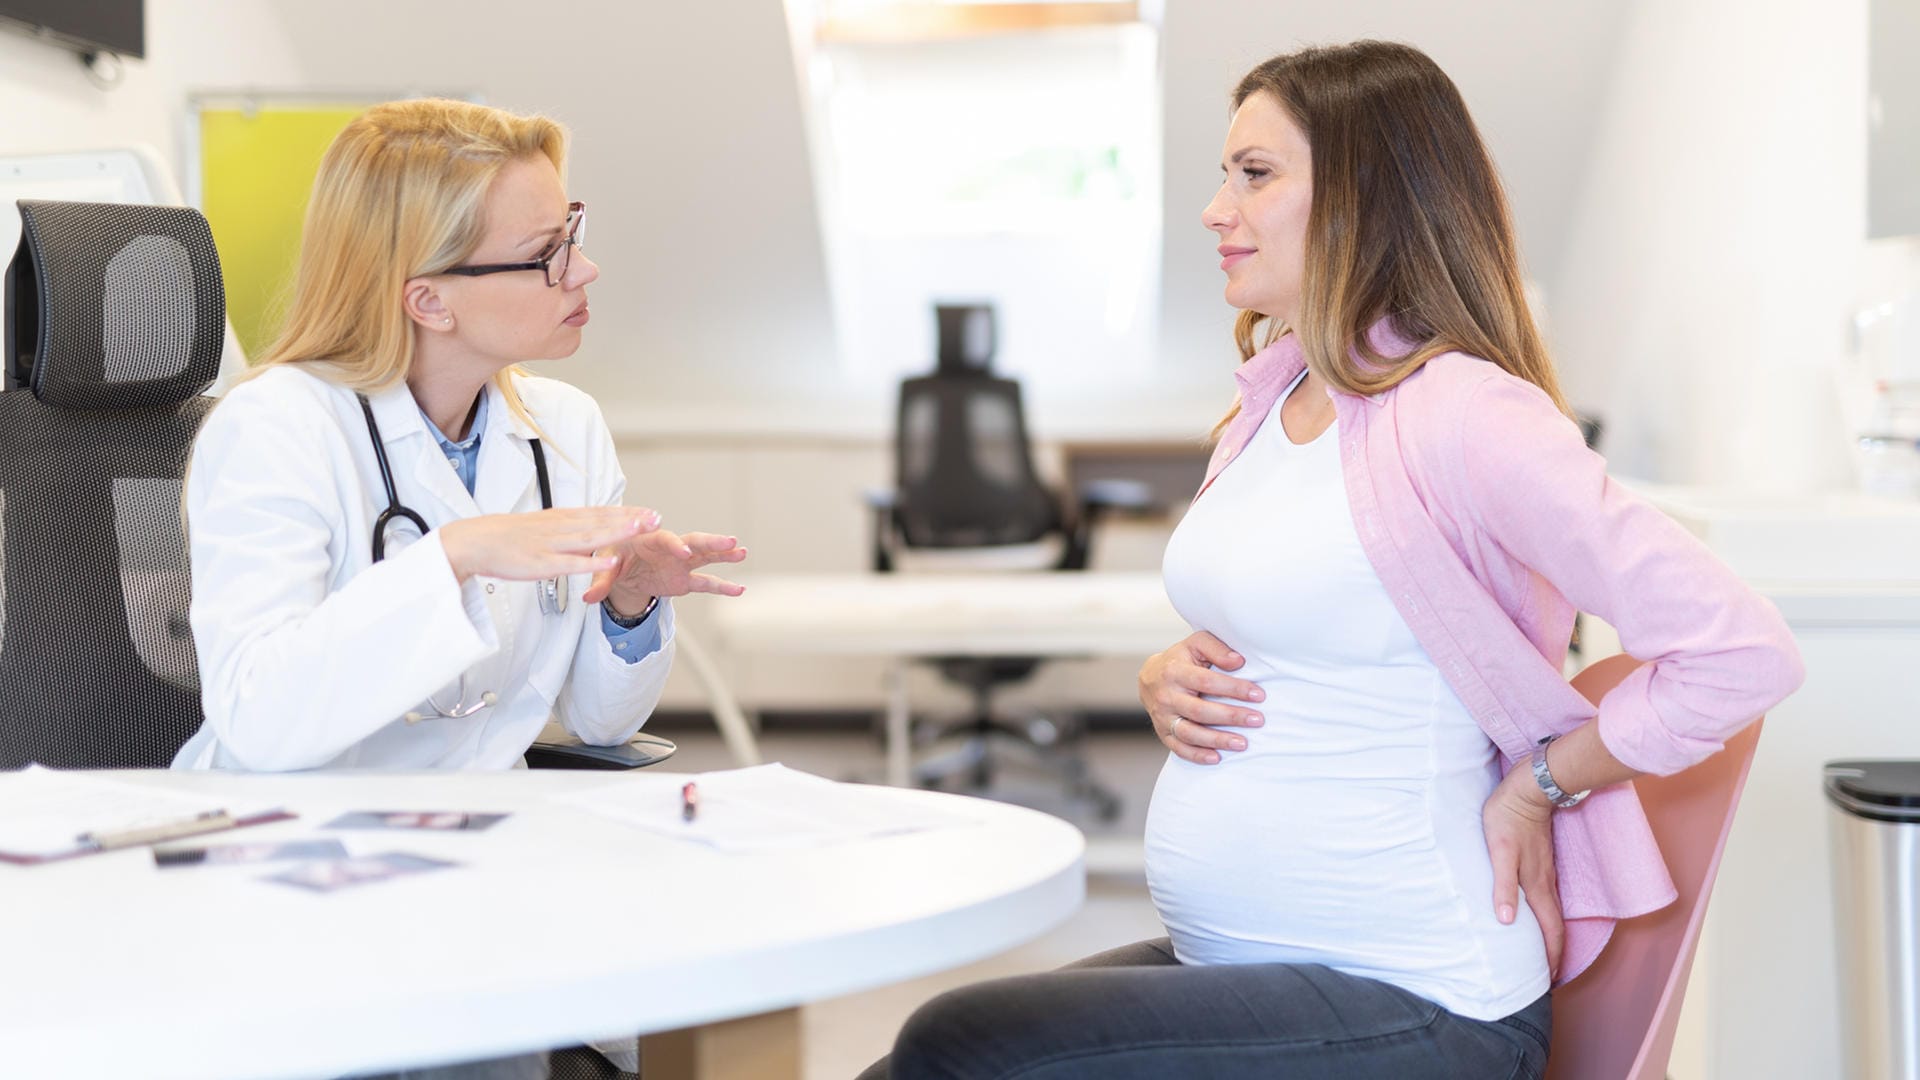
(1136, 1013)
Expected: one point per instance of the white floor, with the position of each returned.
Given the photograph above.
(843, 1035)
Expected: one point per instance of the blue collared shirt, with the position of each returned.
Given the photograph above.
(630, 645)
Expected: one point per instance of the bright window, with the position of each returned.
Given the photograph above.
(998, 152)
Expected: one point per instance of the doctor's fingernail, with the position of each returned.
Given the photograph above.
(1254, 719)
(1236, 744)
(1506, 913)
(1259, 694)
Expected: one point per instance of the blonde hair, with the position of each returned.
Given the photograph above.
(1409, 222)
(401, 193)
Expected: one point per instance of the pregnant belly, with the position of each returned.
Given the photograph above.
(1250, 864)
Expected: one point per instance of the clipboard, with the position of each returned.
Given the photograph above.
(48, 815)
(96, 842)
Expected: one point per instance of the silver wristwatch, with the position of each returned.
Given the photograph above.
(1541, 776)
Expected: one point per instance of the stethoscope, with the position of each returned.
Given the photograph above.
(552, 591)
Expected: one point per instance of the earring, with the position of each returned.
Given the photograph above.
(448, 321)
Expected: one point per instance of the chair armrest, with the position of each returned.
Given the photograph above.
(1098, 499)
(642, 750)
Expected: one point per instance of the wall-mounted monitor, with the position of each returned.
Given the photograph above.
(85, 26)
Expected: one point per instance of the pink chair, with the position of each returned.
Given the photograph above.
(1616, 1021)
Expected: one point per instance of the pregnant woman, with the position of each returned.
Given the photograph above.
(1370, 845)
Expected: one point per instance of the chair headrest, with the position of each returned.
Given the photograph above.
(966, 334)
(112, 306)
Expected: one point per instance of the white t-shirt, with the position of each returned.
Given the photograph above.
(1348, 833)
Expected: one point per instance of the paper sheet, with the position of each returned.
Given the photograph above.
(44, 811)
(763, 808)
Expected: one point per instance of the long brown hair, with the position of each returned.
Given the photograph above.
(1408, 221)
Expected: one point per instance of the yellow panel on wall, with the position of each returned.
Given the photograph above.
(257, 168)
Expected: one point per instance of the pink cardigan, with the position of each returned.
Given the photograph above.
(1490, 523)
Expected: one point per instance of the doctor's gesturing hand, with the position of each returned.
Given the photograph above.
(662, 563)
(1171, 687)
(542, 543)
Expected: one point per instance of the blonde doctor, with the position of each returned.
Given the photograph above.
(408, 553)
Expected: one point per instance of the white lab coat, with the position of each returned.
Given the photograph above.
(311, 655)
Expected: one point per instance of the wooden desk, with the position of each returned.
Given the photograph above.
(1172, 469)
(559, 926)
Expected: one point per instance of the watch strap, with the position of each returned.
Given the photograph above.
(1542, 776)
(625, 622)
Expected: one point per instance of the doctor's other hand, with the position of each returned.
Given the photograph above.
(663, 563)
(1171, 687)
(542, 543)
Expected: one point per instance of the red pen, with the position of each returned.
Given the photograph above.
(689, 801)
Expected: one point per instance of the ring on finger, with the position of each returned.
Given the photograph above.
(1173, 729)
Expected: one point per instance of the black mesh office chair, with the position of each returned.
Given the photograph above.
(965, 479)
(115, 318)
(114, 326)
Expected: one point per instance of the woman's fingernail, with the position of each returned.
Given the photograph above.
(1254, 719)
(1237, 744)
(1259, 694)
(1506, 913)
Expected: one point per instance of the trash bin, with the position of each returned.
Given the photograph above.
(1875, 822)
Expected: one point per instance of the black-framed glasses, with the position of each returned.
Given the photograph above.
(553, 262)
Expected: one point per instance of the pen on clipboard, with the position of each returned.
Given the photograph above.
(689, 801)
(209, 821)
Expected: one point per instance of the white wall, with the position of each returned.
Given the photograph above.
(690, 152)
(49, 104)
(1532, 74)
(714, 311)
(1718, 246)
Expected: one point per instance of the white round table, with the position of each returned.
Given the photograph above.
(559, 926)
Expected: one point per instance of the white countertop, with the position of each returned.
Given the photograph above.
(1826, 559)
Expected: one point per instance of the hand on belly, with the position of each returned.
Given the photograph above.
(1175, 687)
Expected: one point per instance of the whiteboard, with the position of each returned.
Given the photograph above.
(130, 174)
